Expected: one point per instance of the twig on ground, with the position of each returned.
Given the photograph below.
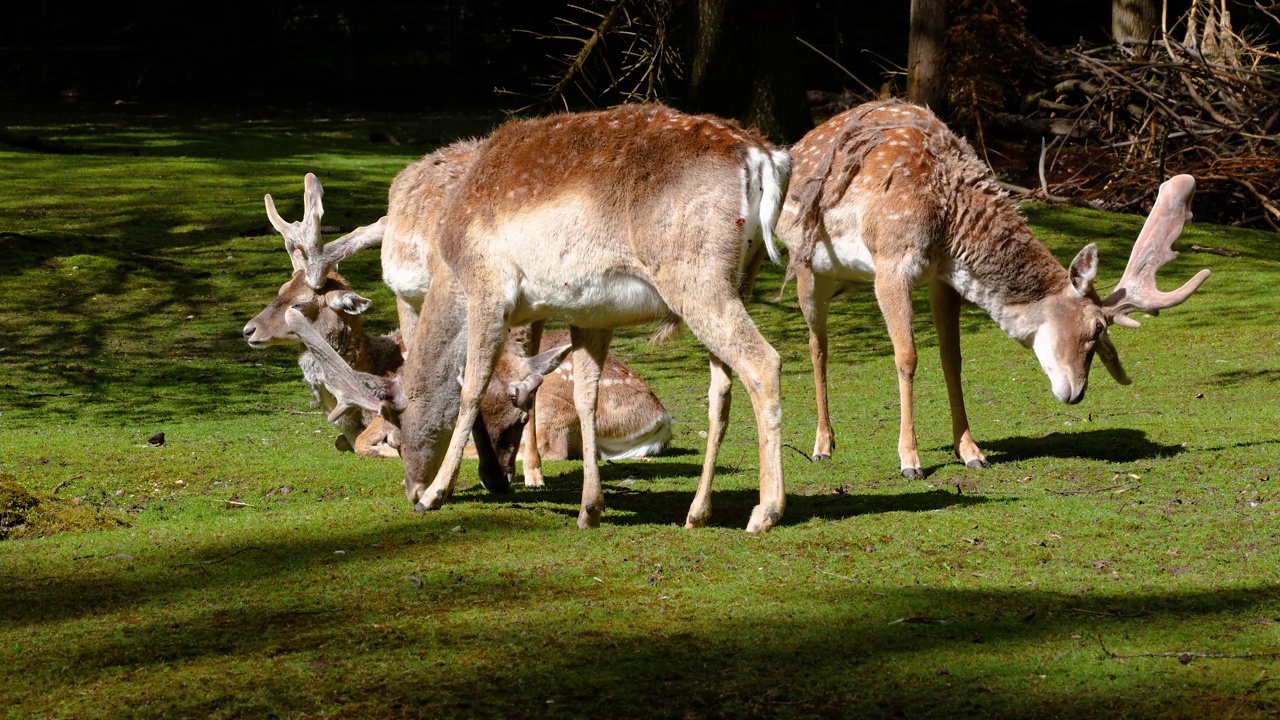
(60, 485)
(841, 577)
(803, 453)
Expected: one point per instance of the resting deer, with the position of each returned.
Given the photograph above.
(630, 420)
(335, 311)
(497, 430)
(329, 301)
(600, 219)
(886, 193)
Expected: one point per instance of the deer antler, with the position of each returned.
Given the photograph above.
(351, 387)
(302, 238)
(1137, 289)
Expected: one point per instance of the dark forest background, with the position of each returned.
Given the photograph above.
(436, 54)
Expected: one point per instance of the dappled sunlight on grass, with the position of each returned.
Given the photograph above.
(264, 574)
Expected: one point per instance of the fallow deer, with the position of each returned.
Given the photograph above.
(600, 219)
(496, 430)
(886, 193)
(630, 420)
(334, 310)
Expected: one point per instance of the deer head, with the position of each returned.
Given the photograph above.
(334, 296)
(504, 413)
(1071, 326)
(302, 239)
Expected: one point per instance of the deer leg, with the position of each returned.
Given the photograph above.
(718, 400)
(485, 330)
(408, 316)
(815, 298)
(529, 442)
(945, 303)
(725, 328)
(373, 441)
(894, 296)
(589, 351)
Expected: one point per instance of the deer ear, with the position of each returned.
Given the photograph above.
(1084, 269)
(349, 302)
(543, 363)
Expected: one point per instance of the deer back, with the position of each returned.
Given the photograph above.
(415, 205)
(893, 176)
(561, 205)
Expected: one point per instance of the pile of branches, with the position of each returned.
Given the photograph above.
(608, 52)
(1119, 119)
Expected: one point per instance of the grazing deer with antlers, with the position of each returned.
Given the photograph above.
(886, 193)
(602, 219)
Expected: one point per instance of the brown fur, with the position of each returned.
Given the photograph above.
(886, 190)
(603, 219)
(342, 330)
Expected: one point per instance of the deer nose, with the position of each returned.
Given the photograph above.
(248, 331)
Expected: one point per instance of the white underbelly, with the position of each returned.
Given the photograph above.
(605, 300)
(846, 259)
(404, 270)
(561, 264)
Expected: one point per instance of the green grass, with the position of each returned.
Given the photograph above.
(1143, 521)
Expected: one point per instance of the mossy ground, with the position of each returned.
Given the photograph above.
(1106, 540)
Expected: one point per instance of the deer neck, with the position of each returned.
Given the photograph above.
(997, 264)
(345, 335)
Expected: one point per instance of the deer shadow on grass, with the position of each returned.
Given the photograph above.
(631, 499)
(1120, 445)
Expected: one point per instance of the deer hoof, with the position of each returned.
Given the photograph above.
(821, 457)
(762, 519)
(589, 518)
(693, 522)
(342, 444)
(913, 473)
(978, 464)
(429, 501)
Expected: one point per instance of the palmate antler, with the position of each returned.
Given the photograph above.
(1137, 291)
(352, 388)
(303, 242)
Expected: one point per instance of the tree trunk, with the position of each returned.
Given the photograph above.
(926, 54)
(1134, 22)
(745, 66)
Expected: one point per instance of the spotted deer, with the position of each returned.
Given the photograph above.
(885, 193)
(631, 421)
(602, 220)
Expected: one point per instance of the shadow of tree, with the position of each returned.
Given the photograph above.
(841, 645)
